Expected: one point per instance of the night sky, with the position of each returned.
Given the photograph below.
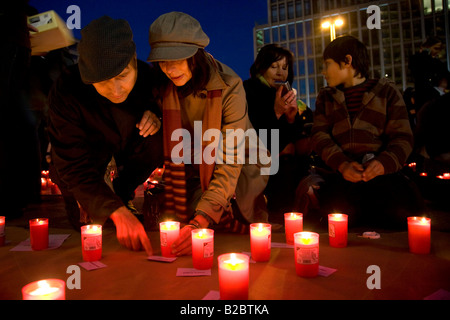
(228, 23)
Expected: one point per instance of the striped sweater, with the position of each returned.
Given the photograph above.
(380, 126)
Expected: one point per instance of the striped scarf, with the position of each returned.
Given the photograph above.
(174, 174)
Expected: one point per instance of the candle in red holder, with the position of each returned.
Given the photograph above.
(337, 230)
(202, 248)
(260, 241)
(306, 253)
(39, 233)
(293, 223)
(169, 232)
(44, 183)
(91, 242)
(48, 289)
(419, 235)
(233, 276)
(444, 176)
(2, 230)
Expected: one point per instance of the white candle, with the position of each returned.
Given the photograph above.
(260, 241)
(47, 289)
(169, 232)
(293, 223)
(202, 248)
(233, 276)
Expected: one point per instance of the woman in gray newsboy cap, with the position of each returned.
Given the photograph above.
(195, 89)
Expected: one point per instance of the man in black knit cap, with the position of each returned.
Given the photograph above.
(95, 116)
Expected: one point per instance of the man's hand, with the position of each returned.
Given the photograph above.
(130, 231)
(351, 171)
(149, 124)
(373, 169)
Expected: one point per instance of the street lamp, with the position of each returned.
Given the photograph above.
(332, 25)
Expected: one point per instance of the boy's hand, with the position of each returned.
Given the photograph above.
(373, 169)
(351, 171)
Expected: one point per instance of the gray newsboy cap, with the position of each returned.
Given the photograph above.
(175, 36)
(105, 49)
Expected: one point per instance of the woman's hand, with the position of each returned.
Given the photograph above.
(286, 104)
(149, 124)
(183, 245)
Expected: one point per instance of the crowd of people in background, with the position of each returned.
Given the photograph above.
(97, 105)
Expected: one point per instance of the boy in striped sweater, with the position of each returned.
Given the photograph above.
(362, 134)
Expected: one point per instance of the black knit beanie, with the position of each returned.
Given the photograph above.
(105, 49)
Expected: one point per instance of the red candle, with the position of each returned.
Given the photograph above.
(444, 176)
(202, 248)
(293, 223)
(419, 235)
(233, 276)
(91, 242)
(260, 241)
(306, 253)
(337, 230)
(2, 230)
(48, 289)
(39, 233)
(169, 232)
(44, 183)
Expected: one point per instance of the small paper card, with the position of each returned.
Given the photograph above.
(161, 258)
(441, 294)
(92, 265)
(249, 254)
(212, 295)
(191, 272)
(325, 271)
(54, 241)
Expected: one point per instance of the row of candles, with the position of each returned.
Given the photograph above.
(443, 176)
(233, 267)
(47, 185)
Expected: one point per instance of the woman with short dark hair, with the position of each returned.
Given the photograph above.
(271, 108)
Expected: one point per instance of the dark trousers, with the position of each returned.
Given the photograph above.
(385, 201)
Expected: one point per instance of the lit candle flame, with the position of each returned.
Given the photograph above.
(43, 288)
(233, 261)
(169, 225)
(424, 220)
(306, 240)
